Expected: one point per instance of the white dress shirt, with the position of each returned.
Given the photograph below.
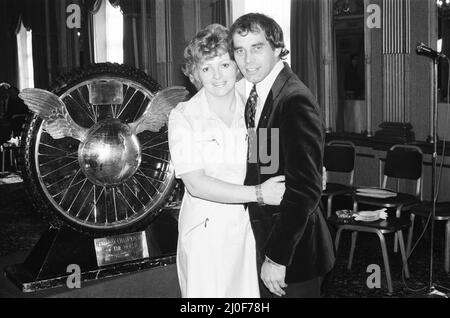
(263, 88)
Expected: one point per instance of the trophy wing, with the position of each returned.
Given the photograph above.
(157, 113)
(52, 109)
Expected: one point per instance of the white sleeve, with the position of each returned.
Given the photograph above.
(185, 152)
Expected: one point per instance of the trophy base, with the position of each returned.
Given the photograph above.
(50, 262)
(436, 293)
(432, 292)
(20, 276)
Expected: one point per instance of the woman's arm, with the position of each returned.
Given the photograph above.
(188, 163)
(208, 188)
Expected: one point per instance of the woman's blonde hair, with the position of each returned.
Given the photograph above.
(208, 43)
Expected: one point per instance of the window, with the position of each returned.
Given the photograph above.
(108, 34)
(350, 59)
(25, 57)
(114, 34)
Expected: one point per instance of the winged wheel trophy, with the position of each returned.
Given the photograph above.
(96, 150)
(109, 152)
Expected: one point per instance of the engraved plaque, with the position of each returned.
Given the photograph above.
(105, 92)
(121, 248)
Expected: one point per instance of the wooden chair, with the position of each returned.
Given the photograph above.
(442, 213)
(402, 162)
(339, 156)
(381, 228)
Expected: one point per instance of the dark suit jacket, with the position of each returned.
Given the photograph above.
(294, 234)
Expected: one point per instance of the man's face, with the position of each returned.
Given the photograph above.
(254, 55)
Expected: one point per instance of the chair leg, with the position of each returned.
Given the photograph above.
(16, 166)
(3, 159)
(398, 211)
(401, 242)
(329, 202)
(447, 246)
(386, 262)
(11, 160)
(336, 240)
(355, 206)
(352, 250)
(410, 235)
(395, 242)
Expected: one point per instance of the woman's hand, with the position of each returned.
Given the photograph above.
(273, 190)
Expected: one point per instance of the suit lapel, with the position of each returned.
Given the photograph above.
(267, 109)
(277, 86)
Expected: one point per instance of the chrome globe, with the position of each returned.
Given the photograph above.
(110, 154)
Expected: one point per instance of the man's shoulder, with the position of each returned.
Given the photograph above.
(295, 88)
(295, 85)
(294, 93)
(289, 83)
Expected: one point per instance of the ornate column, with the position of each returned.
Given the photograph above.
(396, 45)
(432, 35)
(368, 71)
(326, 12)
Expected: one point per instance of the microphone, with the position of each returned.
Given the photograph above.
(424, 50)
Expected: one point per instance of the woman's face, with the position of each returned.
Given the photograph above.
(217, 75)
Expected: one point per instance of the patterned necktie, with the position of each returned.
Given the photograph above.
(250, 111)
(250, 107)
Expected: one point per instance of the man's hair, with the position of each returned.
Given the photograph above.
(208, 43)
(255, 22)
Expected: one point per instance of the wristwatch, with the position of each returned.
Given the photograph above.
(259, 196)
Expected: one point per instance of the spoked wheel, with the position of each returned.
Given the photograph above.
(113, 181)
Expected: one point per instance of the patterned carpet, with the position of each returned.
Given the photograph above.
(21, 228)
(353, 283)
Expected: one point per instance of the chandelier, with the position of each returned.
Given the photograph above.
(443, 8)
(348, 7)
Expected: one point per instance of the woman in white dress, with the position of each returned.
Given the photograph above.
(216, 255)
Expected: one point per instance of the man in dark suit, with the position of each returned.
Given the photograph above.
(294, 243)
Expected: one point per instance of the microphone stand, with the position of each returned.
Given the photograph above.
(433, 292)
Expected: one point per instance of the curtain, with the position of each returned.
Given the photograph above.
(443, 67)
(56, 48)
(41, 24)
(9, 22)
(138, 35)
(155, 34)
(221, 12)
(305, 45)
(169, 25)
(313, 54)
